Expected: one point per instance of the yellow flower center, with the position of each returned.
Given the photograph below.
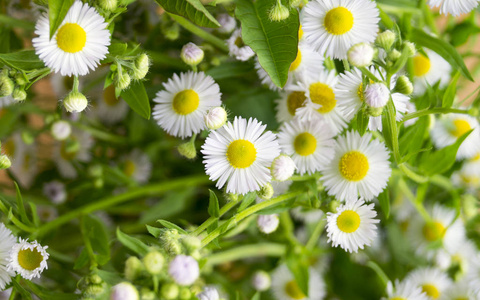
(129, 168)
(322, 94)
(338, 21)
(29, 259)
(185, 102)
(9, 148)
(294, 101)
(296, 62)
(109, 96)
(305, 144)
(360, 93)
(433, 231)
(348, 221)
(300, 32)
(71, 38)
(241, 154)
(353, 166)
(431, 291)
(421, 65)
(460, 128)
(293, 290)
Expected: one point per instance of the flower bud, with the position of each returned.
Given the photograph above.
(333, 205)
(124, 290)
(191, 243)
(169, 291)
(171, 31)
(142, 65)
(6, 86)
(20, 79)
(266, 191)
(377, 95)
(184, 270)
(147, 294)
(5, 162)
(28, 137)
(394, 55)
(209, 293)
(108, 5)
(61, 130)
(75, 102)
(411, 48)
(374, 111)
(386, 39)
(153, 262)
(227, 22)
(361, 55)
(187, 150)
(122, 80)
(191, 54)
(216, 118)
(261, 281)
(185, 294)
(278, 12)
(133, 268)
(404, 85)
(19, 94)
(170, 239)
(282, 168)
(267, 223)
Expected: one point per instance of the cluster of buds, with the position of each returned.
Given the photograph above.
(128, 69)
(13, 83)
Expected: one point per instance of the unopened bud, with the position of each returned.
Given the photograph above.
(122, 80)
(278, 12)
(227, 22)
(124, 290)
(374, 111)
(187, 150)
(184, 270)
(153, 262)
(267, 223)
(282, 168)
(133, 268)
(394, 55)
(19, 94)
(386, 39)
(170, 239)
(185, 294)
(261, 281)
(209, 293)
(108, 5)
(411, 48)
(191, 54)
(5, 162)
(216, 118)
(61, 130)
(361, 55)
(170, 291)
(6, 86)
(191, 243)
(75, 102)
(266, 192)
(376, 95)
(142, 65)
(404, 85)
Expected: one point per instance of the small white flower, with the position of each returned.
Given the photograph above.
(237, 48)
(460, 291)
(404, 290)
(462, 257)
(432, 281)
(28, 259)
(267, 223)
(184, 269)
(216, 118)
(109, 108)
(377, 95)
(361, 55)
(261, 281)
(191, 54)
(75, 148)
(352, 226)
(124, 291)
(61, 130)
(209, 293)
(55, 191)
(282, 168)
(138, 166)
(6, 101)
(454, 7)
(7, 243)
(429, 70)
(284, 286)
(227, 22)
(288, 103)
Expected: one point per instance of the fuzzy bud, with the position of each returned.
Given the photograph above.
(123, 80)
(123, 291)
(216, 118)
(147, 294)
(191, 243)
(5, 162)
(170, 291)
(267, 223)
(133, 268)
(187, 150)
(153, 262)
(227, 22)
(75, 102)
(261, 281)
(394, 55)
(184, 270)
(266, 192)
(377, 95)
(282, 168)
(278, 12)
(374, 111)
(19, 94)
(170, 239)
(404, 85)
(185, 294)
(386, 39)
(6, 86)
(209, 293)
(411, 48)
(108, 5)
(191, 54)
(61, 130)
(142, 65)
(361, 55)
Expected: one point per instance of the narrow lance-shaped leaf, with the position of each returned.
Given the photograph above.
(57, 10)
(213, 206)
(190, 9)
(137, 98)
(451, 91)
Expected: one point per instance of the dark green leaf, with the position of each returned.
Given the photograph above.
(461, 32)
(20, 289)
(137, 99)
(451, 92)
(213, 206)
(22, 60)
(21, 207)
(96, 232)
(275, 43)
(132, 243)
(384, 199)
(170, 225)
(82, 260)
(57, 10)
(190, 9)
(110, 277)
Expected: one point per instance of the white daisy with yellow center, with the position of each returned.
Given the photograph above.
(237, 48)
(8, 241)
(333, 26)
(182, 106)
(138, 166)
(353, 226)
(288, 103)
(285, 287)
(462, 259)
(468, 177)
(449, 128)
(428, 70)
(240, 154)
(360, 167)
(74, 149)
(404, 290)
(28, 259)
(109, 108)
(78, 45)
(321, 101)
(461, 291)
(309, 143)
(454, 7)
(432, 281)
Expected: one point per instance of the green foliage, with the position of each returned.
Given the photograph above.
(132, 243)
(22, 60)
(57, 10)
(137, 98)
(190, 9)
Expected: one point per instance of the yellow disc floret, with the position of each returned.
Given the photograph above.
(433, 231)
(241, 154)
(348, 221)
(431, 291)
(460, 127)
(353, 166)
(185, 102)
(297, 61)
(305, 144)
(293, 290)
(421, 65)
(322, 94)
(129, 168)
(338, 21)
(71, 38)
(294, 101)
(29, 259)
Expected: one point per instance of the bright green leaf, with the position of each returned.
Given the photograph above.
(190, 9)
(132, 243)
(22, 60)
(213, 206)
(137, 99)
(384, 199)
(451, 92)
(247, 200)
(170, 225)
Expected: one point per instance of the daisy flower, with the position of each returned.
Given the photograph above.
(309, 143)
(28, 259)
(284, 286)
(138, 166)
(462, 258)
(333, 26)
(432, 281)
(321, 100)
(109, 108)
(23, 157)
(240, 154)
(78, 45)
(360, 167)
(75, 148)
(288, 103)
(181, 108)
(450, 127)
(8, 241)
(404, 290)
(429, 70)
(352, 226)
(454, 7)
(467, 178)
(460, 291)
(237, 48)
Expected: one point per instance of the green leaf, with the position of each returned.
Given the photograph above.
(246, 201)
(82, 260)
(170, 225)
(275, 43)
(384, 199)
(22, 60)
(155, 231)
(362, 121)
(132, 243)
(57, 10)
(213, 206)
(413, 138)
(444, 49)
(20, 289)
(190, 9)
(117, 48)
(298, 265)
(21, 207)
(461, 32)
(451, 91)
(110, 277)
(96, 232)
(137, 98)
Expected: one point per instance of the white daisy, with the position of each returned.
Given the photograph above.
(450, 127)
(288, 103)
(237, 48)
(284, 286)
(8, 241)
(333, 26)
(454, 7)
(473, 277)
(404, 290)
(78, 45)
(183, 105)
(360, 168)
(352, 226)
(321, 100)
(240, 154)
(138, 166)
(432, 281)
(23, 157)
(28, 259)
(460, 291)
(75, 149)
(460, 259)
(429, 70)
(467, 179)
(309, 143)
(109, 108)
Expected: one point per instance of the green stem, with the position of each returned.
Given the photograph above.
(379, 272)
(437, 110)
(246, 251)
(410, 196)
(88, 245)
(315, 235)
(211, 220)
(14, 22)
(101, 135)
(219, 43)
(346, 65)
(134, 193)
(394, 129)
(411, 174)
